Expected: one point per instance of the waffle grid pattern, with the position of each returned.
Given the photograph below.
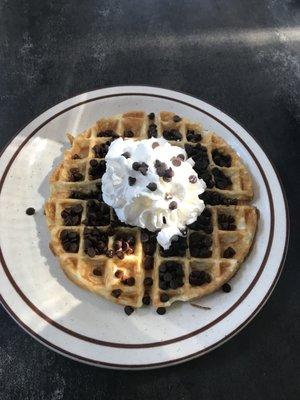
(105, 275)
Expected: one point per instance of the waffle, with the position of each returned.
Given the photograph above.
(84, 230)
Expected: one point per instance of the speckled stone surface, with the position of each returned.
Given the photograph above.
(240, 56)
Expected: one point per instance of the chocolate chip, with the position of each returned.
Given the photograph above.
(136, 165)
(200, 245)
(229, 252)
(154, 145)
(108, 133)
(64, 234)
(73, 248)
(221, 180)
(192, 178)
(176, 118)
(91, 252)
(146, 300)
(163, 268)
(164, 297)
(200, 156)
(100, 150)
(148, 281)
(215, 198)
(30, 211)
(167, 179)
(130, 281)
(195, 151)
(119, 273)
(65, 214)
(69, 241)
(169, 173)
(152, 186)
(176, 162)
(97, 213)
(152, 131)
(172, 134)
(118, 245)
(109, 253)
(226, 288)
(144, 237)
(199, 278)
(126, 154)
(125, 246)
(207, 177)
(151, 115)
(141, 167)
(163, 285)
(148, 263)
(160, 167)
(72, 235)
(149, 248)
(174, 284)
(221, 159)
(161, 171)
(168, 196)
(120, 254)
(170, 275)
(201, 165)
(173, 205)
(72, 215)
(226, 222)
(161, 310)
(131, 181)
(192, 136)
(93, 194)
(75, 157)
(198, 153)
(177, 249)
(97, 168)
(75, 175)
(77, 209)
(97, 272)
(124, 243)
(116, 293)
(128, 133)
(128, 310)
(95, 241)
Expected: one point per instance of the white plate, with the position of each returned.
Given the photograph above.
(84, 327)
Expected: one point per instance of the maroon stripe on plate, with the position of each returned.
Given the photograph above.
(183, 337)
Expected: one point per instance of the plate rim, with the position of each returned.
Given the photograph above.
(272, 286)
(168, 341)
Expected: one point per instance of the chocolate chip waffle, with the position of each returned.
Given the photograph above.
(125, 264)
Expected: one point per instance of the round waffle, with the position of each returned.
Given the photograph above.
(125, 264)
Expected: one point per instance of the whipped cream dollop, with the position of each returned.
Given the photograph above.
(151, 184)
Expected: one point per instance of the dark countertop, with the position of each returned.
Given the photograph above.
(241, 56)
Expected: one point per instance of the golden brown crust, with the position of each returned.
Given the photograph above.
(79, 267)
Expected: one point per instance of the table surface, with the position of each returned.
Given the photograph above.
(240, 56)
